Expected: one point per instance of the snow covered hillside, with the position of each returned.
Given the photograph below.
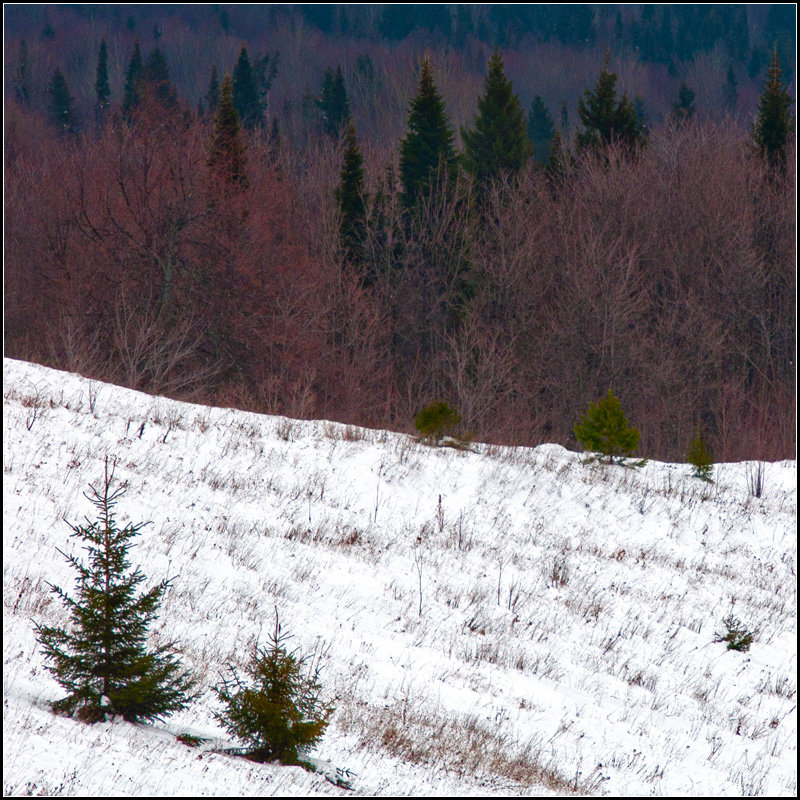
(504, 620)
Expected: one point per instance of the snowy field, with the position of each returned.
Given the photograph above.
(500, 621)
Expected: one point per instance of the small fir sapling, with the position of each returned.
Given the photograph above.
(700, 459)
(276, 710)
(604, 429)
(436, 421)
(103, 661)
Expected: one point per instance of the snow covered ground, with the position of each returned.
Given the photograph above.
(500, 621)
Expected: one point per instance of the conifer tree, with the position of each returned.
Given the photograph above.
(730, 91)
(333, 103)
(699, 458)
(773, 124)
(541, 130)
(498, 144)
(102, 88)
(683, 110)
(155, 76)
(102, 661)
(277, 711)
(131, 93)
(245, 92)
(604, 429)
(61, 103)
(350, 198)
(428, 144)
(213, 95)
(226, 154)
(22, 74)
(606, 119)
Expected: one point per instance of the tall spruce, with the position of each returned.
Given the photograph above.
(773, 125)
(62, 110)
(541, 130)
(605, 119)
(131, 93)
(22, 78)
(103, 661)
(226, 154)
(213, 93)
(351, 200)
(428, 145)
(245, 92)
(102, 88)
(333, 103)
(497, 145)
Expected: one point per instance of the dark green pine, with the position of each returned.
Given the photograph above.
(333, 103)
(773, 124)
(62, 110)
(351, 200)
(156, 77)
(102, 88)
(212, 95)
(604, 429)
(428, 144)
(497, 145)
(683, 110)
(605, 119)
(245, 92)
(541, 130)
(131, 93)
(226, 154)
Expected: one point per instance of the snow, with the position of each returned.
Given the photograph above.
(498, 621)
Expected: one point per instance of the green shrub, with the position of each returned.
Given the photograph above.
(736, 635)
(699, 458)
(278, 713)
(604, 429)
(436, 421)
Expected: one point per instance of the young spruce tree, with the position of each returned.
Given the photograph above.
(773, 124)
(103, 661)
(428, 144)
(226, 155)
(62, 110)
(498, 143)
(102, 89)
(604, 429)
(606, 119)
(131, 93)
(350, 198)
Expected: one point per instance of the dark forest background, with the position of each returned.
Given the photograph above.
(668, 274)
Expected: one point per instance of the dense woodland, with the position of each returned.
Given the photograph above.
(351, 212)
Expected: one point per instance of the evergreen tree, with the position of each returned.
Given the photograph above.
(131, 93)
(22, 76)
(428, 144)
(683, 110)
(730, 91)
(333, 104)
(61, 103)
(498, 144)
(245, 92)
(155, 76)
(604, 429)
(773, 124)
(350, 198)
(606, 119)
(102, 88)
(541, 130)
(212, 95)
(699, 458)
(226, 154)
(103, 662)
(278, 712)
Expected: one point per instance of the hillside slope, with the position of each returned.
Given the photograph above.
(500, 621)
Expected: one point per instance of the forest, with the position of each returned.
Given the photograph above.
(352, 212)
